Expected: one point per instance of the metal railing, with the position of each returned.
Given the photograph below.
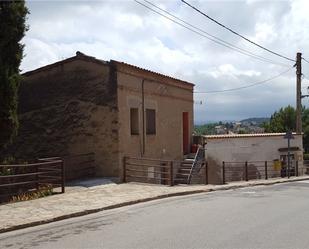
(148, 170)
(17, 179)
(252, 170)
(198, 163)
(305, 167)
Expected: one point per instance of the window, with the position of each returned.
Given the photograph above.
(150, 121)
(134, 121)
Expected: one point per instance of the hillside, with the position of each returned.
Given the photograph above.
(258, 121)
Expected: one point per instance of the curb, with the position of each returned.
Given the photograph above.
(128, 203)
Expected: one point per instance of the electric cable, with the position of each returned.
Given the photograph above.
(236, 33)
(220, 42)
(248, 86)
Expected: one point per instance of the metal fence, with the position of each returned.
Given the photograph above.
(158, 171)
(17, 179)
(252, 170)
(306, 167)
(148, 170)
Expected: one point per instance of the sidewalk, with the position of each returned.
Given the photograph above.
(102, 194)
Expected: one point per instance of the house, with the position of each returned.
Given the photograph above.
(113, 109)
(236, 149)
(220, 129)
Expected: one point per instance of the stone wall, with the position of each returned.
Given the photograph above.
(69, 108)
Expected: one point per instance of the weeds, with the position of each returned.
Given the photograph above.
(43, 191)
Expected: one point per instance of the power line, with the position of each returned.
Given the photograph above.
(305, 59)
(250, 85)
(206, 35)
(217, 38)
(236, 33)
(218, 42)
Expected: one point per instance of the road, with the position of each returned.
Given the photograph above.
(274, 216)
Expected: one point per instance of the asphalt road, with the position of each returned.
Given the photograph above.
(274, 216)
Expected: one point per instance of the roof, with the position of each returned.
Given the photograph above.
(246, 135)
(78, 56)
(123, 64)
(82, 56)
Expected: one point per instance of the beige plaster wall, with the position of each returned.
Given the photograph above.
(247, 149)
(169, 101)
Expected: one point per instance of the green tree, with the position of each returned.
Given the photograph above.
(305, 121)
(285, 120)
(12, 30)
(206, 129)
(282, 120)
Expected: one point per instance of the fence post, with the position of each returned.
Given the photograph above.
(206, 173)
(171, 174)
(62, 176)
(296, 168)
(266, 173)
(124, 169)
(223, 172)
(37, 185)
(246, 171)
(163, 171)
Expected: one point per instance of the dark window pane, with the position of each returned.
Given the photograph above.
(150, 121)
(134, 121)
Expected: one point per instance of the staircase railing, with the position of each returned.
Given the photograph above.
(198, 163)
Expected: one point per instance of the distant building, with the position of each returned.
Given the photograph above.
(114, 109)
(220, 129)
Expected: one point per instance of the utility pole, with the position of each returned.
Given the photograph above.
(298, 94)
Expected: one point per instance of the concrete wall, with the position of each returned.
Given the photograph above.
(251, 148)
(169, 101)
(70, 108)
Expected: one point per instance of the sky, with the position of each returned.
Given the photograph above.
(127, 31)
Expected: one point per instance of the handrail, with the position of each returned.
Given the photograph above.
(30, 164)
(198, 159)
(148, 159)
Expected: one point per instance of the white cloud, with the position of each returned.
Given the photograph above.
(264, 33)
(230, 71)
(126, 31)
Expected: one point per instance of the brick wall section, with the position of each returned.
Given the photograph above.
(168, 97)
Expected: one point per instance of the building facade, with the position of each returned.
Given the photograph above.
(111, 108)
(253, 148)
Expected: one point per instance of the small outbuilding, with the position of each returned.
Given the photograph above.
(255, 149)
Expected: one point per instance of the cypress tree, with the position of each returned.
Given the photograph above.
(12, 30)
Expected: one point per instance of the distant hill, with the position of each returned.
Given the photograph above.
(258, 121)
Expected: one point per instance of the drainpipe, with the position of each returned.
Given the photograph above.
(143, 119)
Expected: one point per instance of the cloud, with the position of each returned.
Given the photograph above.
(126, 31)
(230, 71)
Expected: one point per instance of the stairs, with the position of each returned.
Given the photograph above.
(192, 162)
(184, 171)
